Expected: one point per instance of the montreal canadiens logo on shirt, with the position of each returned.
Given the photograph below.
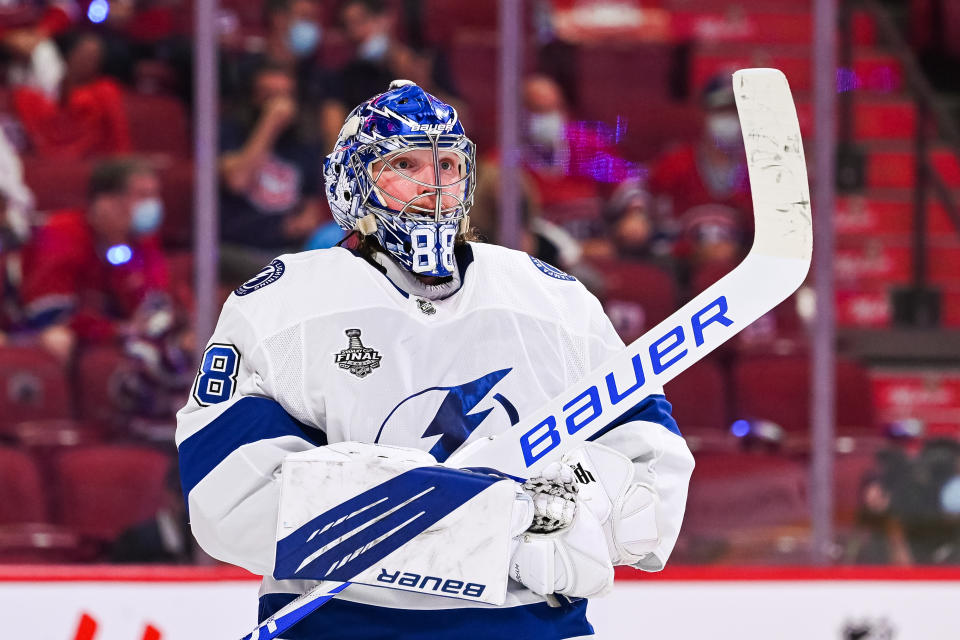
(550, 270)
(270, 273)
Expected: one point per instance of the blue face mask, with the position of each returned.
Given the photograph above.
(146, 216)
(303, 37)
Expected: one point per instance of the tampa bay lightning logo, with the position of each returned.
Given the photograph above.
(550, 270)
(454, 420)
(270, 273)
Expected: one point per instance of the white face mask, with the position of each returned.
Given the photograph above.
(724, 129)
(146, 216)
(374, 48)
(546, 128)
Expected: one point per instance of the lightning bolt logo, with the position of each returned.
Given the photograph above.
(454, 421)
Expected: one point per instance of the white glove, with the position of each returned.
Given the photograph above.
(573, 560)
(623, 496)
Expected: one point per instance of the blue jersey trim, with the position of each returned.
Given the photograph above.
(653, 408)
(248, 420)
(340, 620)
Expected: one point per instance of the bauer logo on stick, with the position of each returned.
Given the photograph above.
(356, 358)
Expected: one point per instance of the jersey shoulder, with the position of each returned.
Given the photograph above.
(516, 279)
(297, 286)
(521, 267)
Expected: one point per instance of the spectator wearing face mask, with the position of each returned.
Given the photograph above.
(573, 164)
(294, 33)
(380, 57)
(87, 273)
(712, 170)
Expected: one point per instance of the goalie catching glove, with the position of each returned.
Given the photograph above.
(565, 550)
(622, 496)
(593, 510)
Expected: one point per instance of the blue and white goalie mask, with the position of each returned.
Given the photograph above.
(404, 171)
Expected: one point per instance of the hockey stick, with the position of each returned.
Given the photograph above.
(776, 265)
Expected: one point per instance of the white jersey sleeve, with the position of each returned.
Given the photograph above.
(232, 437)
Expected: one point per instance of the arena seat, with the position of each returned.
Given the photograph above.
(743, 490)
(102, 490)
(777, 388)
(177, 193)
(22, 495)
(57, 184)
(43, 543)
(699, 398)
(158, 124)
(99, 373)
(44, 436)
(33, 386)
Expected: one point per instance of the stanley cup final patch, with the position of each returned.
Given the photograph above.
(356, 358)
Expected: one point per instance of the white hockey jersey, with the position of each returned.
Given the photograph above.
(322, 347)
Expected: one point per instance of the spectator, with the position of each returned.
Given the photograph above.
(294, 32)
(90, 275)
(379, 57)
(33, 57)
(711, 242)
(932, 533)
(270, 178)
(87, 119)
(573, 164)
(710, 171)
(632, 229)
(16, 199)
(879, 537)
(16, 218)
(165, 538)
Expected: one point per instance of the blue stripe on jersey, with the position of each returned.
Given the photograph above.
(340, 620)
(653, 408)
(249, 419)
(393, 512)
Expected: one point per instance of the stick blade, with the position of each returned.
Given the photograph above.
(776, 165)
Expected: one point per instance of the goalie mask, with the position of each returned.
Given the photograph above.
(404, 171)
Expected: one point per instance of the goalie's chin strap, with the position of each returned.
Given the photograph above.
(411, 284)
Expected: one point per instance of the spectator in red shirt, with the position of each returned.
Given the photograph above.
(710, 171)
(88, 119)
(89, 275)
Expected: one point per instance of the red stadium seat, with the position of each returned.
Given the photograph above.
(105, 489)
(443, 19)
(636, 296)
(100, 372)
(57, 184)
(22, 498)
(33, 386)
(40, 543)
(699, 398)
(43, 436)
(777, 388)
(158, 124)
(177, 192)
(739, 491)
